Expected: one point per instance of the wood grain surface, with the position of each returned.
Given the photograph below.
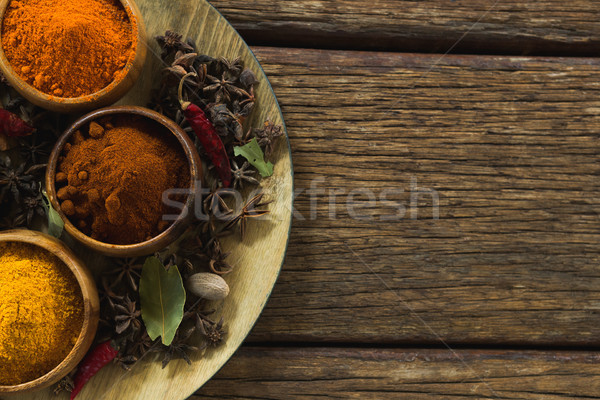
(427, 26)
(349, 373)
(510, 147)
(257, 260)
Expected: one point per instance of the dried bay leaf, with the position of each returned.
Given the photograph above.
(254, 154)
(162, 297)
(55, 222)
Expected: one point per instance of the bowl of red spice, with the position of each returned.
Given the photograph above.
(124, 180)
(71, 55)
(49, 311)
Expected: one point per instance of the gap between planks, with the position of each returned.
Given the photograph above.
(510, 145)
(543, 27)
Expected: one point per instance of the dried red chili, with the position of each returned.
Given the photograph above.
(12, 125)
(208, 136)
(91, 364)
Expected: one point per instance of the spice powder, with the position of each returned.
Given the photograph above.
(41, 312)
(112, 176)
(68, 48)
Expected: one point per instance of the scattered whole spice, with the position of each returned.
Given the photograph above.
(116, 173)
(11, 125)
(208, 136)
(41, 312)
(208, 286)
(68, 48)
(98, 358)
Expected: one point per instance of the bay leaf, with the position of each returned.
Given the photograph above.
(55, 222)
(162, 298)
(254, 154)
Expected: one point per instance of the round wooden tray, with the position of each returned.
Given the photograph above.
(257, 259)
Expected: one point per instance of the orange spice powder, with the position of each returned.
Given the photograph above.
(68, 48)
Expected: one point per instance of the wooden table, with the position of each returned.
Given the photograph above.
(468, 263)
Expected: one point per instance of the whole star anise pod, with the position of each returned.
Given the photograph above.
(179, 348)
(267, 136)
(16, 179)
(31, 151)
(66, 384)
(171, 41)
(233, 67)
(127, 316)
(217, 263)
(108, 295)
(222, 89)
(128, 271)
(248, 211)
(141, 345)
(243, 174)
(212, 332)
(31, 204)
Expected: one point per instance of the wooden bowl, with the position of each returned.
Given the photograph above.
(91, 305)
(170, 234)
(109, 95)
(257, 259)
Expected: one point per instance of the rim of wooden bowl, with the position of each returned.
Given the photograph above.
(165, 238)
(91, 313)
(108, 95)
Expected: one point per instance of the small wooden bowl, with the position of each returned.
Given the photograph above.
(170, 234)
(109, 95)
(91, 313)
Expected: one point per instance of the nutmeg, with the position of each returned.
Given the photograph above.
(208, 286)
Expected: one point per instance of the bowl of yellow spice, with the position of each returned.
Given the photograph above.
(71, 55)
(49, 311)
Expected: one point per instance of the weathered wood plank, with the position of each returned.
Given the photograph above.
(510, 145)
(510, 26)
(266, 373)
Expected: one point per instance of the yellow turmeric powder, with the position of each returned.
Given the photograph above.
(41, 312)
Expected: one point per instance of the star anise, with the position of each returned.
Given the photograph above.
(217, 262)
(233, 67)
(242, 174)
(16, 180)
(213, 228)
(214, 203)
(66, 384)
(244, 139)
(267, 136)
(127, 316)
(248, 103)
(31, 151)
(171, 41)
(212, 332)
(222, 89)
(184, 60)
(181, 66)
(248, 211)
(221, 118)
(127, 271)
(142, 345)
(238, 115)
(125, 361)
(107, 293)
(32, 203)
(179, 348)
